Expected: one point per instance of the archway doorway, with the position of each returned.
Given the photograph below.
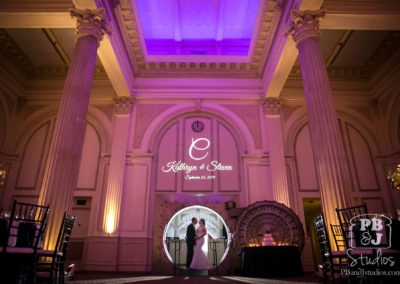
(216, 246)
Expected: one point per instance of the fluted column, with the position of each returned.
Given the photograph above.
(272, 114)
(121, 123)
(328, 149)
(61, 173)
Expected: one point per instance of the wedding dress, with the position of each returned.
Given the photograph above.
(200, 260)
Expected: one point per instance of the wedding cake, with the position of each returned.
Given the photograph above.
(268, 240)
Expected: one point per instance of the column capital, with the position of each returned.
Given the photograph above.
(90, 23)
(304, 24)
(271, 106)
(124, 105)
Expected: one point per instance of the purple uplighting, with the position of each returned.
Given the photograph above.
(207, 27)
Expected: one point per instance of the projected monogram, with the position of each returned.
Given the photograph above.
(193, 146)
(199, 150)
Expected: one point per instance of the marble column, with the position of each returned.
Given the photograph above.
(115, 182)
(61, 173)
(327, 142)
(276, 151)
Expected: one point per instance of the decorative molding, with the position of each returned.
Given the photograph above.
(60, 72)
(24, 64)
(188, 73)
(128, 23)
(14, 53)
(250, 115)
(124, 105)
(304, 24)
(90, 23)
(106, 109)
(385, 50)
(334, 73)
(271, 106)
(287, 110)
(145, 114)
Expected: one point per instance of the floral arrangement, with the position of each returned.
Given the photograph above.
(394, 177)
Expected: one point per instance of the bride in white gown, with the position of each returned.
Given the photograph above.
(200, 260)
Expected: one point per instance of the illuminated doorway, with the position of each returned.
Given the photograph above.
(216, 247)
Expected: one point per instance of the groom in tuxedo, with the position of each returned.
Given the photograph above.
(190, 241)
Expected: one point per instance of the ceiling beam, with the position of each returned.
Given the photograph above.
(47, 16)
(361, 15)
(36, 20)
(346, 15)
(57, 46)
(338, 48)
(283, 53)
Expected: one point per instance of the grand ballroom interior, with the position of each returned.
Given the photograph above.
(133, 115)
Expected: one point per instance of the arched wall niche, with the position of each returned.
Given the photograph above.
(30, 126)
(173, 145)
(361, 146)
(366, 128)
(307, 178)
(361, 158)
(40, 127)
(90, 159)
(299, 118)
(95, 117)
(33, 155)
(236, 124)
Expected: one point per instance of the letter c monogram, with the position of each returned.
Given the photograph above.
(194, 142)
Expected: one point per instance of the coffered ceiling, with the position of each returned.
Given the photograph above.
(197, 38)
(197, 27)
(42, 52)
(216, 46)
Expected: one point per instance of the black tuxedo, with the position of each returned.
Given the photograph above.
(190, 241)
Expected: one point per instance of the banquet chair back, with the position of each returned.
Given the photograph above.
(332, 261)
(65, 234)
(338, 237)
(51, 262)
(23, 237)
(347, 217)
(324, 246)
(26, 225)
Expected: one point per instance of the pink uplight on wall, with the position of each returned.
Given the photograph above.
(197, 27)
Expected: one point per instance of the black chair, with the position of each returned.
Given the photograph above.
(340, 242)
(347, 217)
(23, 237)
(51, 263)
(331, 260)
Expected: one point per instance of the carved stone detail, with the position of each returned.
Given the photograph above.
(90, 23)
(271, 15)
(124, 105)
(271, 106)
(145, 114)
(251, 117)
(14, 52)
(304, 24)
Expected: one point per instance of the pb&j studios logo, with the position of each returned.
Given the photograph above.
(367, 235)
